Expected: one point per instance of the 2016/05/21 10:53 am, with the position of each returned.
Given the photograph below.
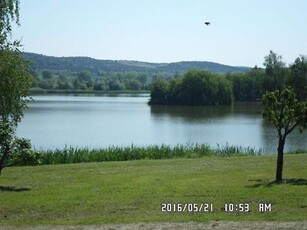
(208, 207)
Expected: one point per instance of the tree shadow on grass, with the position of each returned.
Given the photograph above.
(12, 189)
(267, 183)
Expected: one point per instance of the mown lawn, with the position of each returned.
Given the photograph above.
(133, 191)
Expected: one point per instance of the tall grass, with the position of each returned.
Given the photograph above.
(114, 153)
(230, 150)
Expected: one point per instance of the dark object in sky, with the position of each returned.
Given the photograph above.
(207, 23)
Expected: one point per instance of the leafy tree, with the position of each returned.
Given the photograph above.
(224, 95)
(47, 75)
(193, 89)
(76, 83)
(63, 83)
(142, 78)
(15, 81)
(285, 112)
(100, 85)
(159, 92)
(256, 76)
(298, 77)
(115, 84)
(45, 84)
(134, 85)
(275, 72)
(9, 12)
(86, 78)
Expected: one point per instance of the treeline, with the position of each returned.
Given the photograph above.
(205, 88)
(109, 67)
(88, 74)
(85, 80)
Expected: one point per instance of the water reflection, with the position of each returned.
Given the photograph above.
(198, 114)
(294, 141)
(102, 121)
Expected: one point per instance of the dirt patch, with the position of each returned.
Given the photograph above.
(229, 225)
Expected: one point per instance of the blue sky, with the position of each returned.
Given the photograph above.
(241, 33)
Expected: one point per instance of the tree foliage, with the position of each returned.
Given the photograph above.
(14, 86)
(194, 88)
(275, 72)
(247, 86)
(9, 12)
(298, 77)
(15, 81)
(285, 112)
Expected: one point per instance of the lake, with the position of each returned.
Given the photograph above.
(56, 121)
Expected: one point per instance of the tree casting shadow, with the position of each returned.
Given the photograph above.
(13, 189)
(267, 183)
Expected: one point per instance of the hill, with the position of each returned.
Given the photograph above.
(100, 67)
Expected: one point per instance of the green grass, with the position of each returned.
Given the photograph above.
(133, 191)
(116, 153)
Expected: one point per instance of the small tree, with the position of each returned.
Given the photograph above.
(282, 109)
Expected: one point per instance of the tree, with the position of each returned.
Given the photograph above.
(159, 92)
(285, 112)
(134, 85)
(85, 77)
(63, 83)
(15, 81)
(275, 72)
(9, 12)
(298, 77)
(115, 84)
(47, 75)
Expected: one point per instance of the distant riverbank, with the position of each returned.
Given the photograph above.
(39, 91)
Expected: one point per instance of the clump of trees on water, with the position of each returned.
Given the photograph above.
(194, 88)
(205, 88)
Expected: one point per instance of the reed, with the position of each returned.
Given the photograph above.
(71, 154)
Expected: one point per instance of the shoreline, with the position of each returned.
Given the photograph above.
(35, 91)
(71, 155)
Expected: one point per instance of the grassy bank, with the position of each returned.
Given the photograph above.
(115, 153)
(133, 191)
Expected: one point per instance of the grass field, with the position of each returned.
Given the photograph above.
(133, 191)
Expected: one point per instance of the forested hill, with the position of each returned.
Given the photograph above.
(100, 67)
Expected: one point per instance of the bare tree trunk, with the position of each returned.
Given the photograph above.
(280, 157)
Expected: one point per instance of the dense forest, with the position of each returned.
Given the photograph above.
(84, 73)
(205, 88)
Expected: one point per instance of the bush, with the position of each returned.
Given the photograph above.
(22, 153)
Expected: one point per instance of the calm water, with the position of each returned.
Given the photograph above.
(101, 121)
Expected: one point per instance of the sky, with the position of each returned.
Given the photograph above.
(241, 33)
